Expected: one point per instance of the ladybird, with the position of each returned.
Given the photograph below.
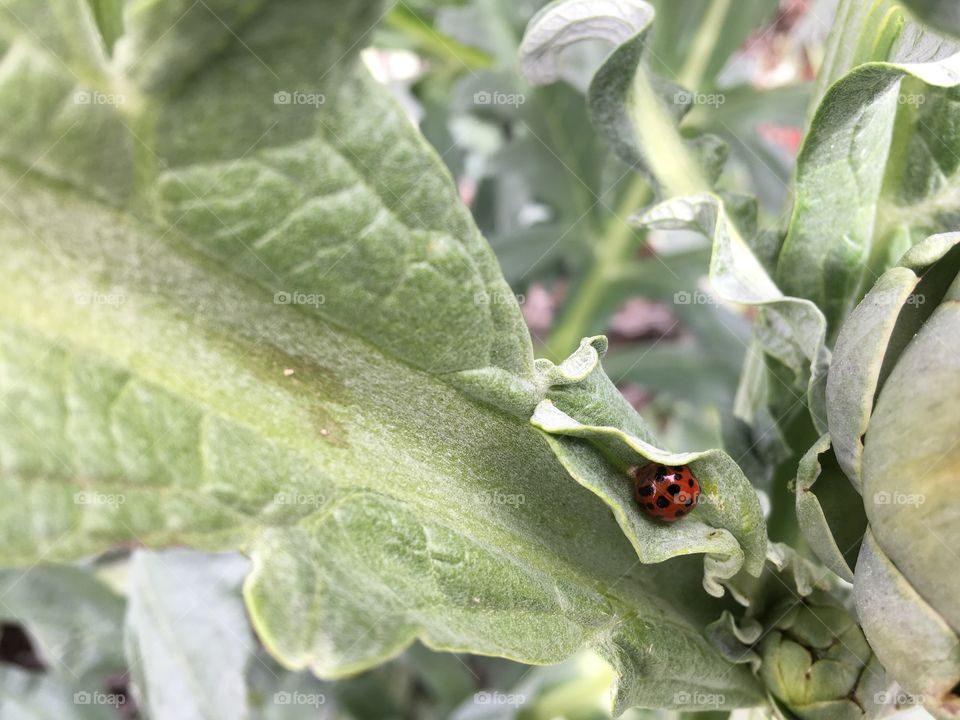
(665, 492)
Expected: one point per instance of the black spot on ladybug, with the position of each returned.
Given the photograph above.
(662, 502)
(648, 506)
(673, 489)
(647, 490)
(661, 472)
(689, 502)
(679, 513)
(690, 482)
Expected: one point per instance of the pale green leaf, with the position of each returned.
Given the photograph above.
(875, 169)
(912, 434)
(912, 640)
(872, 338)
(28, 695)
(635, 109)
(188, 642)
(75, 621)
(812, 517)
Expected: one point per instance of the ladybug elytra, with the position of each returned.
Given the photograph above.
(665, 492)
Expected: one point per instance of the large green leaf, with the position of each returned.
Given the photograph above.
(234, 321)
(876, 173)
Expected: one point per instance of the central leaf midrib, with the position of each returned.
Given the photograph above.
(220, 412)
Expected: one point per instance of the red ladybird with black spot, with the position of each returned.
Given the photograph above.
(665, 492)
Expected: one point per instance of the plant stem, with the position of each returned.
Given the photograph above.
(693, 70)
(578, 317)
(434, 42)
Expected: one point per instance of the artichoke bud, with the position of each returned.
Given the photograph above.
(814, 658)
(893, 413)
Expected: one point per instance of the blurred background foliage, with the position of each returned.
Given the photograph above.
(554, 204)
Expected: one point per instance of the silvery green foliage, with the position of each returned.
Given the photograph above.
(246, 311)
(875, 177)
(891, 411)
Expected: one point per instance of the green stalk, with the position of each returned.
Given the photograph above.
(677, 174)
(436, 43)
(577, 318)
(693, 70)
